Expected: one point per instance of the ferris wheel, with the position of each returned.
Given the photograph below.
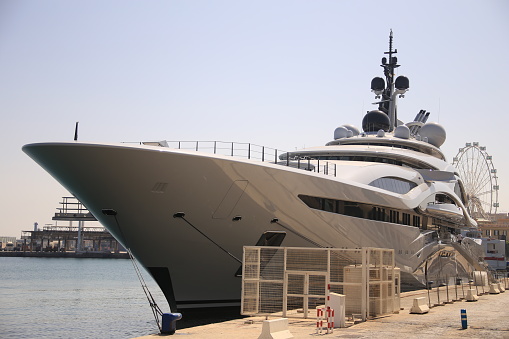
(479, 177)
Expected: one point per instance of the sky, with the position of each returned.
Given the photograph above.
(281, 74)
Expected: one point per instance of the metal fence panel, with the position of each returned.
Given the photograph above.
(294, 281)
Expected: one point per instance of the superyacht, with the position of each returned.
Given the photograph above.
(187, 213)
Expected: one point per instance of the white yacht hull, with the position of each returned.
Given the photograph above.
(147, 185)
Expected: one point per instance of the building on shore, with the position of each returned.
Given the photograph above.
(4, 240)
(495, 232)
(58, 238)
(495, 228)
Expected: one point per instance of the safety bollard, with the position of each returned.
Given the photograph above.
(330, 320)
(464, 319)
(319, 319)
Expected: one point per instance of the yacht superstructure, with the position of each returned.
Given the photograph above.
(186, 214)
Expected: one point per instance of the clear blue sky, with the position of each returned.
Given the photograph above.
(282, 74)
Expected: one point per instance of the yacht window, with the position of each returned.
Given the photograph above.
(395, 185)
(416, 220)
(329, 205)
(443, 199)
(378, 213)
(313, 202)
(394, 217)
(361, 210)
(406, 219)
(352, 209)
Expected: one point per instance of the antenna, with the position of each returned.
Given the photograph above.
(76, 131)
(390, 47)
(388, 91)
(389, 66)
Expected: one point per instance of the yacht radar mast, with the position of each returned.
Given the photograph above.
(393, 89)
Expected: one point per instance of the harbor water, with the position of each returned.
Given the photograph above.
(74, 298)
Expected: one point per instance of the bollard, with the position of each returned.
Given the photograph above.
(323, 313)
(169, 322)
(330, 320)
(464, 319)
(319, 320)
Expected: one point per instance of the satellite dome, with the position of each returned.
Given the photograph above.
(374, 121)
(377, 85)
(340, 132)
(434, 132)
(352, 128)
(402, 83)
(402, 132)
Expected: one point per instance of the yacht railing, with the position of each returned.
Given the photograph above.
(233, 149)
(253, 152)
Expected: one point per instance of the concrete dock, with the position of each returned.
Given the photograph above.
(487, 318)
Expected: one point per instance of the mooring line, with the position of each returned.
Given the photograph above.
(156, 311)
(182, 215)
(153, 305)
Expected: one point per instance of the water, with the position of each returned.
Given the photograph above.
(74, 298)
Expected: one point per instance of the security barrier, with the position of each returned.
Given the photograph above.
(419, 306)
(294, 281)
(275, 329)
(324, 320)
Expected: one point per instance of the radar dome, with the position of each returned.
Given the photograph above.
(434, 132)
(402, 83)
(402, 132)
(378, 85)
(374, 121)
(352, 128)
(340, 132)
